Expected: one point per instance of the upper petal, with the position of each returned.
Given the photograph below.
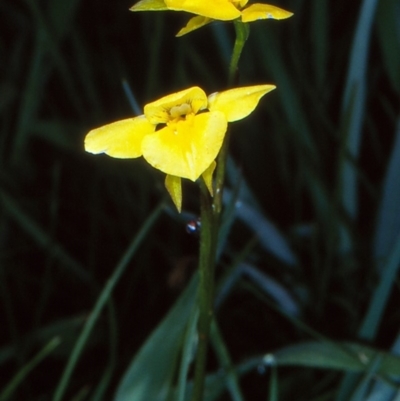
(157, 112)
(194, 23)
(222, 10)
(149, 5)
(186, 149)
(238, 103)
(121, 139)
(264, 11)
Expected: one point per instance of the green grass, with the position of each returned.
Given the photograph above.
(96, 278)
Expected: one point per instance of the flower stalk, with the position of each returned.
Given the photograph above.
(207, 255)
(210, 221)
(242, 33)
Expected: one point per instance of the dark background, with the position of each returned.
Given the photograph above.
(67, 217)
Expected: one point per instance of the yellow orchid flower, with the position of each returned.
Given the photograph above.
(179, 134)
(209, 10)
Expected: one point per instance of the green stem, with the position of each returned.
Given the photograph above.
(242, 33)
(208, 241)
(210, 221)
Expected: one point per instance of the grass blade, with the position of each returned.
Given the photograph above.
(40, 236)
(381, 295)
(353, 110)
(150, 374)
(222, 352)
(21, 375)
(388, 222)
(189, 347)
(102, 300)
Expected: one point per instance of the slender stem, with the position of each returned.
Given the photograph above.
(208, 241)
(210, 221)
(242, 33)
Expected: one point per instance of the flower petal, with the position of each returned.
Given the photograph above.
(174, 188)
(208, 177)
(222, 10)
(149, 5)
(238, 103)
(121, 139)
(187, 148)
(242, 3)
(194, 23)
(157, 112)
(264, 11)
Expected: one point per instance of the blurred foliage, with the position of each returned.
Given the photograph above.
(308, 272)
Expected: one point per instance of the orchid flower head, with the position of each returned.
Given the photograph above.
(179, 134)
(207, 11)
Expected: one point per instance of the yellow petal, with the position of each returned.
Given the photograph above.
(194, 23)
(185, 149)
(121, 139)
(239, 3)
(208, 177)
(174, 188)
(264, 11)
(158, 112)
(149, 5)
(222, 10)
(238, 103)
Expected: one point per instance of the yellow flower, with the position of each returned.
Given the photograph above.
(179, 134)
(209, 10)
